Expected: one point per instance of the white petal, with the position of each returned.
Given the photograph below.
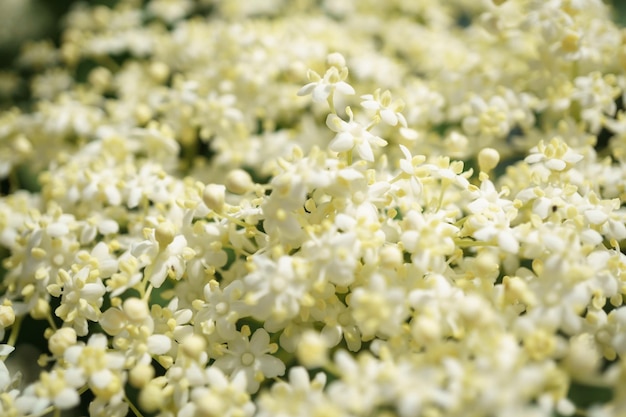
(370, 104)
(5, 350)
(307, 89)
(342, 142)
(93, 291)
(595, 216)
(271, 366)
(389, 117)
(534, 158)
(345, 222)
(377, 140)
(365, 151)
(5, 377)
(139, 248)
(553, 243)
(478, 206)
(334, 123)
(406, 167)
(410, 134)
(541, 207)
(321, 93)
(507, 242)
(159, 344)
(344, 88)
(106, 227)
(259, 341)
(572, 157)
(591, 237)
(101, 379)
(57, 229)
(556, 164)
(410, 239)
(406, 152)
(299, 378)
(350, 174)
(616, 229)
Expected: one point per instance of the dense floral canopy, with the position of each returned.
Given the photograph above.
(317, 208)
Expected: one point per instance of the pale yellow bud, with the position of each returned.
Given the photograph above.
(100, 77)
(164, 234)
(61, 340)
(488, 159)
(391, 256)
(140, 375)
(239, 181)
(142, 113)
(136, 309)
(312, 350)
(210, 405)
(151, 398)
(41, 309)
(7, 316)
(193, 346)
(570, 42)
(214, 196)
(159, 71)
(336, 60)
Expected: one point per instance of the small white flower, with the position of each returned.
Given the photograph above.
(556, 155)
(253, 358)
(352, 135)
(322, 88)
(385, 108)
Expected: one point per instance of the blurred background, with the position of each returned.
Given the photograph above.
(24, 20)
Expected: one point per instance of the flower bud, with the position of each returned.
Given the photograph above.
(164, 234)
(488, 159)
(140, 375)
(193, 346)
(61, 340)
(7, 316)
(214, 196)
(136, 309)
(239, 181)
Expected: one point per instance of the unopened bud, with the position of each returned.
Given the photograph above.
(214, 196)
(239, 181)
(7, 316)
(61, 340)
(488, 159)
(164, 234)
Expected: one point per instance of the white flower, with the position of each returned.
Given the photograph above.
(94, 364)
(57, 387)
(164, 253)
(385, 108)
(378, 308)
(253, 358)
(81, 298)
(223, 397)
(323, 88)
(221, 309)
(274, 289)
(352, 135)
(556, 155)
(334, 256)
(300, 397)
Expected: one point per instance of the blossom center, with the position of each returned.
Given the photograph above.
(279, 284)
(221, 308)
(247, 359)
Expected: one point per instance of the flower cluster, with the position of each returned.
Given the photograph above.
(235, 208)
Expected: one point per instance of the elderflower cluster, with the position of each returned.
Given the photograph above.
(316, 208)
